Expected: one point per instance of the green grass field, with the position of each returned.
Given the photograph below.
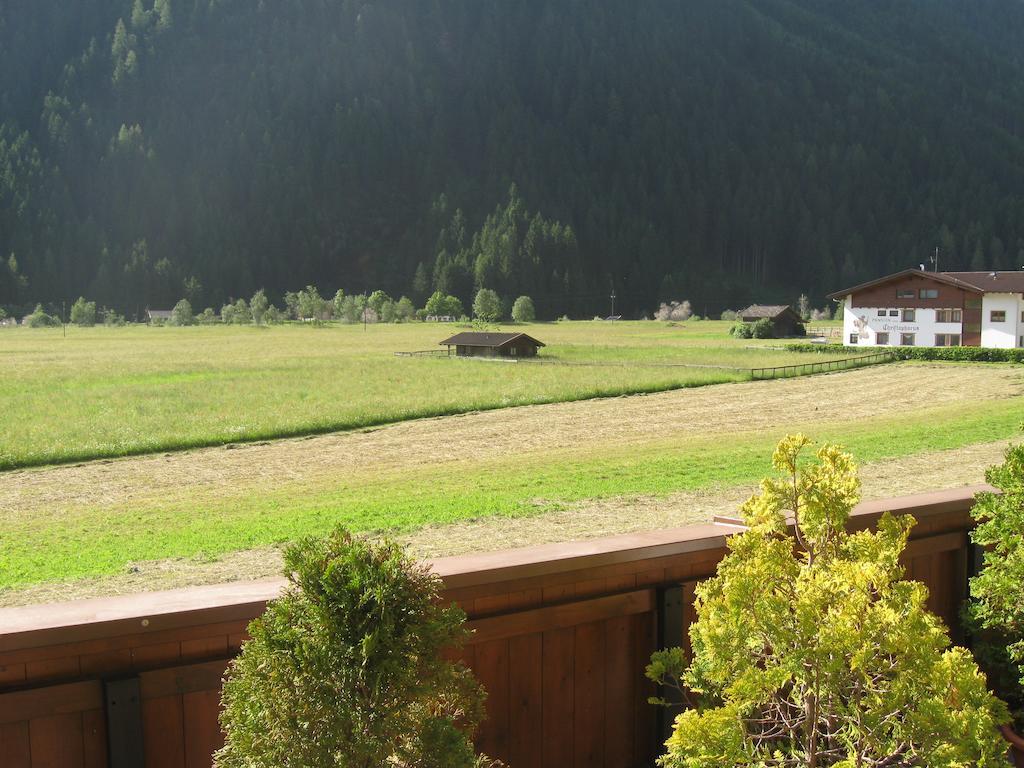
(105, 392)
(108, 392)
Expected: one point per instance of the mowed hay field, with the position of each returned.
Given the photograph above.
(105, 392)
(488, 480)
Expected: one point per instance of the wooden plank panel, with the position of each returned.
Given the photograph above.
(589, 692)
(526, 681)
(94, 738)
(12, 674)
(203, 736)
(106, 645)
(215, 647)
(106, 663)
(155, 655)
(64, 668)
(558, 670)
(490, 605)
(621, 583)
(56, 741)
(651, 577)
(163, 732)
(53, 700)
(15, 745)
(554, 592)
(620, 691)
(561, 616)
(492, 668)
(931, 544)
(645, 633)
(181, 680)
(591, 587)
(526, 598)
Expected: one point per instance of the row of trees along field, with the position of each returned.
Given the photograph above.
(309, 306)
(716, 149)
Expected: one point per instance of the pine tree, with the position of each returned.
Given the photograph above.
(164, 18)
(140, 17)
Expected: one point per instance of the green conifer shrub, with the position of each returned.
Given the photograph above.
(345, 668)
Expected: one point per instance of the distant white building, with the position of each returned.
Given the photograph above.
(935, 309)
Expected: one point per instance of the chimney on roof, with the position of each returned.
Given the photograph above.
(921, 266)
(993, 275)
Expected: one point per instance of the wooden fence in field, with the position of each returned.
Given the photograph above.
(803, 369)
(562, 635)
(825, 332)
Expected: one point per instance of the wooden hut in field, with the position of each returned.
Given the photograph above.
(783, 318)
(472, 344)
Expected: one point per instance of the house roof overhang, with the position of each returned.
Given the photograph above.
(938, 277)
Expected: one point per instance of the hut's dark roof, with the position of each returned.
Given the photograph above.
(764, 310)
(475, 339)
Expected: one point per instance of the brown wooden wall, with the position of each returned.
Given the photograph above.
(884, 295)
(562, 634)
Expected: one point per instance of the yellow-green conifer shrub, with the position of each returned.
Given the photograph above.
(346, 668)
(811, 650)
(997, 608)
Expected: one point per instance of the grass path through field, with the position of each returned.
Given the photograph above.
(72, 522)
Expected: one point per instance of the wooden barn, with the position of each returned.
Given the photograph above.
(472, 344)
(783, 317)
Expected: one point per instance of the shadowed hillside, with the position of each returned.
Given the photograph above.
(716, 150)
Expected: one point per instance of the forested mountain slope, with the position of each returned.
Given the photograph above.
(716, 150)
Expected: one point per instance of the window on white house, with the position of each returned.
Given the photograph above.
(997, 316)
(881, 339)
(894, 313)
(909, 315)
(906, 339)
(853, 338)
(947, 315)
(947, 340)
(882, 313)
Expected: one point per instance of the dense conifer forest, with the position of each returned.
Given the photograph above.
(715, 150)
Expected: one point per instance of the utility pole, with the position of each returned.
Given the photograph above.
(613, 303)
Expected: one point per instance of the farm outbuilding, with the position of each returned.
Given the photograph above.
(160, 315)
(783, 317)
(473, 344)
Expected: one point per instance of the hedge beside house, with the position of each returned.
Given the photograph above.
(953, 354)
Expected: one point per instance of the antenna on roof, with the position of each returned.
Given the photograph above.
(934, 260)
